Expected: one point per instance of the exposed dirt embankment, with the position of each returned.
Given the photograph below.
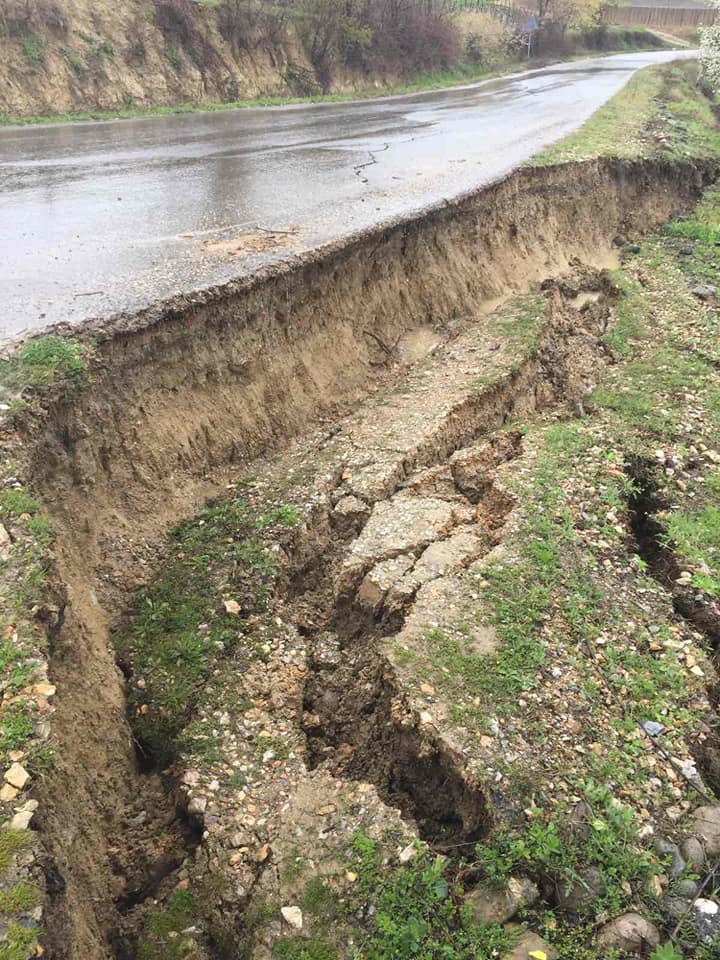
(181, 392)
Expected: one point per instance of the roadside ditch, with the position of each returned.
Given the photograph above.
(184, 399)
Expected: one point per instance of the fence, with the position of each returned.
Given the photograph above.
(660, 16)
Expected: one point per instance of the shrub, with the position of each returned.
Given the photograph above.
(710, 57)
(175, 19)
(246, 23)
(483, 37)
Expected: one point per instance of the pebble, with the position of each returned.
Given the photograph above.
(292, 916)
(666, 848)
(705, 824)
(631, 933)
(707, 919)
(17, 776)
(692, 852)
(704, 291)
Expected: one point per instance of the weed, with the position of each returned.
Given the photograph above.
(163, 939)
(34, 50)
(542, 848)
(20, 898)
(418, 914)
(12, 842)
(16, 726)
(45, 361)
(173, 57)
(75, 61)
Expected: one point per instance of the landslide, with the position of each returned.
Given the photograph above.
(180, 393)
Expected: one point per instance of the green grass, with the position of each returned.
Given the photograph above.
(20, 898)
(517, 596)
(45, 361)
(16, 728)
(162, 939)
(547, 849)
(625, 126)
(418, 913)
(33, 50)
(302, 948)
(19, 942)
(179, 625)
(695, 537)
(12, 842)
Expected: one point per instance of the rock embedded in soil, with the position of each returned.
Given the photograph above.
(293, 916)
(631, 933)
(705, 824)
(17, 776)
(706, 915)
(665, 849)
(530, 946)
(498, 905)
(693, 853)
(578, 896)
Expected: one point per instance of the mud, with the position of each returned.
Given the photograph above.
(181, 393)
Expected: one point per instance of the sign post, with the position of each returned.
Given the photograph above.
(531, 26)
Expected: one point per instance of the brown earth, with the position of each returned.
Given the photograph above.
(184, 391)
(60, 56)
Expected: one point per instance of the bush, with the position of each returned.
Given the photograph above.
(176, 20)
(483, 37)
(418, 35)
(246, 23)
(710, 57)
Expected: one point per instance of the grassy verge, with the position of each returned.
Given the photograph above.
(660, 112)
(461, 73)
(220, 574)
(591, 647)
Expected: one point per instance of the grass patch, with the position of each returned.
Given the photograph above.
(20, 942)
(302, 948)
(626, 126)
(222, 569)
(33, 49)
(20, 898)
(517, 596)
(16, 727)
(418, 912)
(45, 361)
(163, 939)
(12, 842)
(696, 538)
(546, 850)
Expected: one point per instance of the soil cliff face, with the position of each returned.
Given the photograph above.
(73, 55)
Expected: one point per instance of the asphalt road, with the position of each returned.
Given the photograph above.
(96, 218)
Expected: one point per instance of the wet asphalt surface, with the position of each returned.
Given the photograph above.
(96, 218)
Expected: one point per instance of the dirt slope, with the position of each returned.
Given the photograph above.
(73, 55)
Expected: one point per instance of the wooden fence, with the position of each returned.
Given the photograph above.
(661, 16)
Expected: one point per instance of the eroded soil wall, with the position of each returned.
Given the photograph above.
(180, 392)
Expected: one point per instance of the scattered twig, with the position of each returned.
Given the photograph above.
(391, 352)
(283, 233)
(90, 293)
